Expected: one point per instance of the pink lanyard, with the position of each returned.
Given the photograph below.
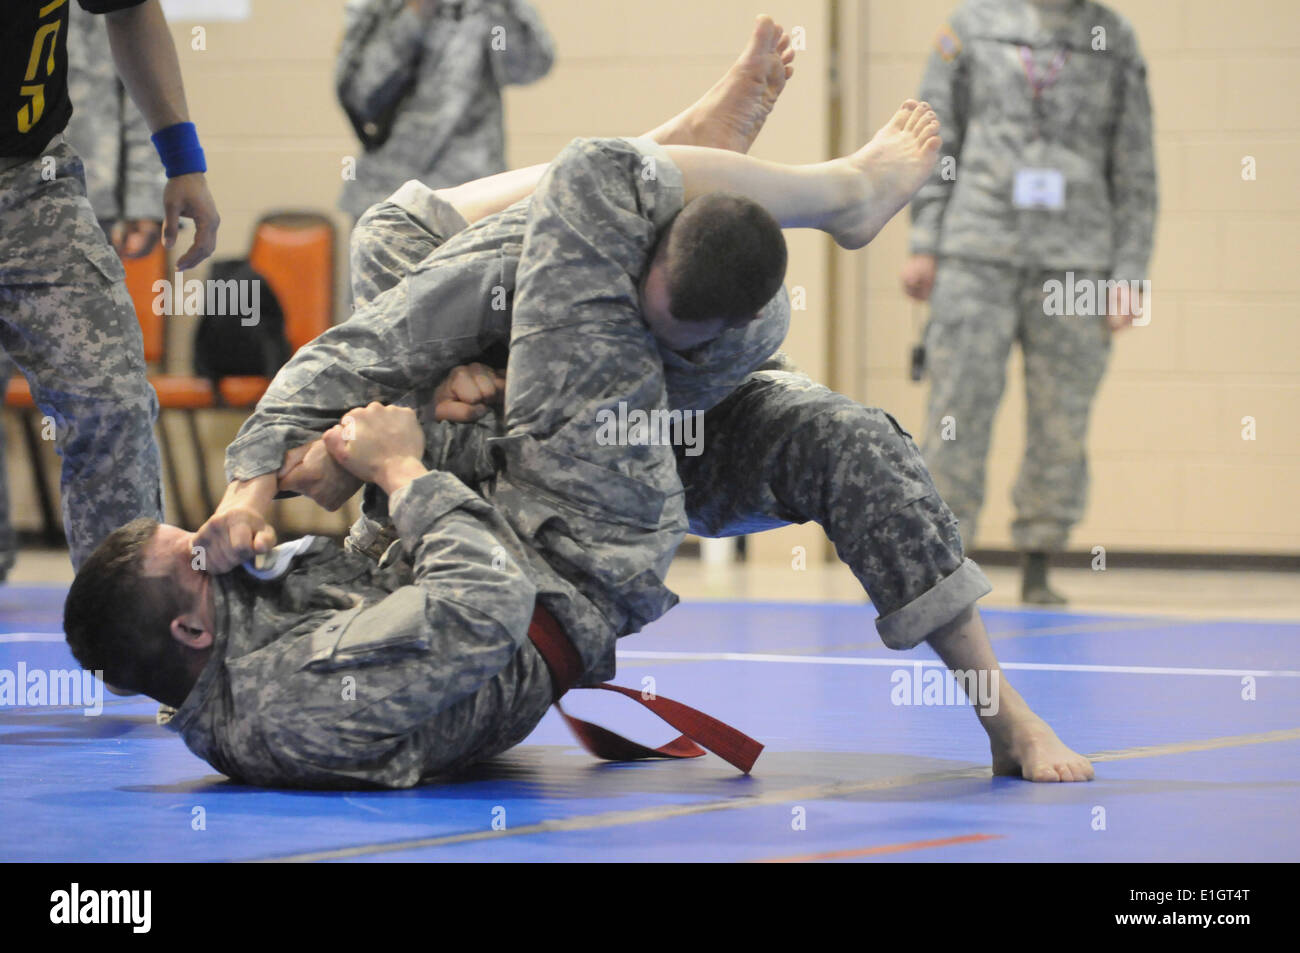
(1038, 82)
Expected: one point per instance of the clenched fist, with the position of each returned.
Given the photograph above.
(239, 530)
(311, 471)
(465, 393)
(377, 444)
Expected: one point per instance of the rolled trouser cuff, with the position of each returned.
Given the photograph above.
(438, 216)
(910, 625)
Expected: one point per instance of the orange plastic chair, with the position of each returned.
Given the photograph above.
(295, 252)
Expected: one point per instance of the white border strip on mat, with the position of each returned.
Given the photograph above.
(31, 637)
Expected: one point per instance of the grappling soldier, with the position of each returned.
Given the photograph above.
(344, 672)
(823, 457)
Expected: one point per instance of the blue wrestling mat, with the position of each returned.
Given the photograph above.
(1194, 727)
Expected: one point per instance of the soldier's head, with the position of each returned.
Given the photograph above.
(715, 266)
(140, 613)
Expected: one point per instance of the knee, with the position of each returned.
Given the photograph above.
(127, 416)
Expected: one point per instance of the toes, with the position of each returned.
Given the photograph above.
(933, 144)
(900, 118)
(765, 34)
(1041, 774)
(917, 116)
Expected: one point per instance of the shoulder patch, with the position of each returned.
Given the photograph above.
(947, 44)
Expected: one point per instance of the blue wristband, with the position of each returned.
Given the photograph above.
(178, 147)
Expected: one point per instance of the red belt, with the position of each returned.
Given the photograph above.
(699, 731)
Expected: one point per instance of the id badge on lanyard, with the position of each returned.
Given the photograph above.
(1040, 188)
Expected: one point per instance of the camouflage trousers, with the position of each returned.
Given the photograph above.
(783, 449)
(978, 309)
(68, 324)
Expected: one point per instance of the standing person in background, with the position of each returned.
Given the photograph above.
(421, 82)
(66, 319)
(1047, 167)
(124, 179)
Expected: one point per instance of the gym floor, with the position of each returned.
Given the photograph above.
(1184, 688)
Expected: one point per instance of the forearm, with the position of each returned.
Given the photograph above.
(462, 551)
(142, 177)
(397, 474)
(348, 366)
(1133, 185)
(146, 61)
(257, 492)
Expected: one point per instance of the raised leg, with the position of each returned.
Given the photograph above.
(729, 116)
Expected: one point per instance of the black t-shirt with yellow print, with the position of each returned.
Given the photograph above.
(34, 104)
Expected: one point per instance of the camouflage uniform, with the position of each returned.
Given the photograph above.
(124, 180)
(822, 457)
(344, 674)
(68, 323)
(1093, 123)
(424, 91)
(436, 642)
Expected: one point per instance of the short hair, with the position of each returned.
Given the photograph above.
(118, 621)
(725, 258)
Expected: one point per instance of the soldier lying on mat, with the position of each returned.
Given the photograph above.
(572, 233)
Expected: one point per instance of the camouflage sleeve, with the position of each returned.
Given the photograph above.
(391, 350)
(414, 654)
(1132, 172)
(349, 365)
(596, 214)
(528, 52)
(944, 87)
(143, 179)
(378, 60)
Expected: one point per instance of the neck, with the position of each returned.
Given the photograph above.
(176, 688)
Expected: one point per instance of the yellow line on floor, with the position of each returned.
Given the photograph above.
(808, 792)
(880, 849)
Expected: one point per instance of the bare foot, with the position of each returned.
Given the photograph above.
(732, 113)
(1028, 747)
(887, 172)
